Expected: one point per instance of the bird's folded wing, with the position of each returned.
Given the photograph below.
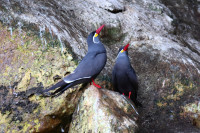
(85, 70)
(132, 76)
(74, 77)
(114, 80)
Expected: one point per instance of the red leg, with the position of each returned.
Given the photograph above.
(123, 94)
(90, 83)
(98, 86)
(129, 95)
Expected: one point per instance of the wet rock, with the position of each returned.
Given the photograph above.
(164, 50)
(101, 110)
(26, 70)
(35, 113)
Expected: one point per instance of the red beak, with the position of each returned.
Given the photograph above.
(99, 30)
(126, 47)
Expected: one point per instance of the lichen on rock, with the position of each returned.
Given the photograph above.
(164, 50)
(27, 69)
(192, 110)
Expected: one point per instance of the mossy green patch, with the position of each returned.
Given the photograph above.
(29, 62)
(43, 63)
(178, 90)
(24, 82)
(5, 118)
(112, 36)
(161, 104)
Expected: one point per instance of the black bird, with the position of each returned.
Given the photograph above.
(124, 78)
(88, 69)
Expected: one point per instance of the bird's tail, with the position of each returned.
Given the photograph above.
(61, 85)
(137, 103)
(133, 97)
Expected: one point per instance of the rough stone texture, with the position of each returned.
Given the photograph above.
(103, 111)
(27, 67)
(142, 22)
(192, 110)
(110, 5)
(22, 113)
(164, 48)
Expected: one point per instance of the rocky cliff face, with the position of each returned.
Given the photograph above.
(42, 41)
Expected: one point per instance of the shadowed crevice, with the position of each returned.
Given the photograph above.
(115, 11)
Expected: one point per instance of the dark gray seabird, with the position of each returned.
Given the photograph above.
(124, 78)
(88, 69)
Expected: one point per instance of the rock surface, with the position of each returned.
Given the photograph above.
(164, 50)
(27, 67)
(104, 111)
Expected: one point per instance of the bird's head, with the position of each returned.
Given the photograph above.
(93, 37)
(123, 49)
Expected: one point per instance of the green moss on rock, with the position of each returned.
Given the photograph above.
(26, 66)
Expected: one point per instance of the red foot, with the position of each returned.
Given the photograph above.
(129, 95)
(98, 86)
(123, 94)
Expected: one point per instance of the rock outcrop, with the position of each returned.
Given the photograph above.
(27, 67)
(164, 50)
(104, 111)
